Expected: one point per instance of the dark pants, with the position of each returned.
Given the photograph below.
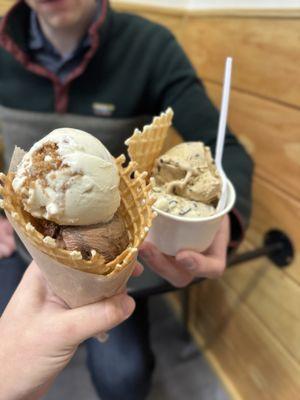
(122, 367)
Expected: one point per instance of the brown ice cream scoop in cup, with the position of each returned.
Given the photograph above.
(187, 188)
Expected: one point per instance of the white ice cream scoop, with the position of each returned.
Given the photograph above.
(70, 178)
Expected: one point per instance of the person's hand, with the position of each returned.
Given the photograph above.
(7, 241)
(39, 334)
(187, 265)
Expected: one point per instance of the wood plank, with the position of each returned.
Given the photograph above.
(5, 5)
(269, 295)
(255, 11)
(250, 357)
(217, 366)
(172, 139)
(270, 132)
(273, 297)
(266, 53)
(273, 209)
(174, 299)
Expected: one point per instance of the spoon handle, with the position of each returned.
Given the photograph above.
(223, 113)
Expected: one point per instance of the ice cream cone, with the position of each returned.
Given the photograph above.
(145, 146)
(75, 280)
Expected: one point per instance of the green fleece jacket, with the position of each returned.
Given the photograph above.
(134, 68)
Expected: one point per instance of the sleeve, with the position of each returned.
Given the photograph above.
(177, 85)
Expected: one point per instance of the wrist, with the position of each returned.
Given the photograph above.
(12, 388)
(9, 388)
(15, 373)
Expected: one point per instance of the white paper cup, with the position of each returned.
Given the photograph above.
(171, 233)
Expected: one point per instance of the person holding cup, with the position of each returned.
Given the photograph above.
(191, 224)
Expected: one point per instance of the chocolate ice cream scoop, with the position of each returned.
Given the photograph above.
(109, 239)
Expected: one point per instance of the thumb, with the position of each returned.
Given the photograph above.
(32, 288)
(87, 321)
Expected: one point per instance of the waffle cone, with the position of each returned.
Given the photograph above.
(145, 146)
(75, 280)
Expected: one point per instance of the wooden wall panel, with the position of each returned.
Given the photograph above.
(270, 295)
(172, 139)
(271, 133)
(5, 5)
(244, 349)
(199, 10)
(274, 209)
(266, 53)
(266, 50)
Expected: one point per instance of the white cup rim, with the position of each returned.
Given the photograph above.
(228, 207)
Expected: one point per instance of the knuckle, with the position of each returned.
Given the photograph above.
(113, 313)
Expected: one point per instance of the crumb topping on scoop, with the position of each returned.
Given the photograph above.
(70, 178)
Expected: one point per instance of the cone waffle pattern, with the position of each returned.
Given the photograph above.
(145, 146)
(135, 209)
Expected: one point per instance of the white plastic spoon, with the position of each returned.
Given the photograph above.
(222, 132)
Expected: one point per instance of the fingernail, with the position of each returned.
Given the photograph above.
(127, 306)
(188, 263)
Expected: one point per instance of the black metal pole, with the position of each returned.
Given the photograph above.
(253, 254)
